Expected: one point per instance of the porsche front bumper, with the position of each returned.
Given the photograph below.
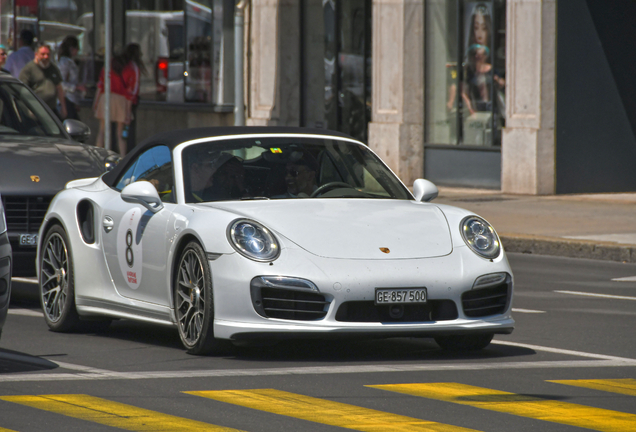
(350, 284)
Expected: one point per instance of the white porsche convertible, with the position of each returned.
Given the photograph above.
(262, 233)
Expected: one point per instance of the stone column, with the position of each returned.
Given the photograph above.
(274, 63)
(263, 63)
(528, 143)
(396, 131)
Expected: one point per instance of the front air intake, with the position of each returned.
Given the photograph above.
(493, 300)
(288, 298)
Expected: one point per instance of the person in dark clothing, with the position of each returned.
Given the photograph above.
(45, 79)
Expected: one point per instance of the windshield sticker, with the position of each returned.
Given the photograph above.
(276, 150)
(129, 250)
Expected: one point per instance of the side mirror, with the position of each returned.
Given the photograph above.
(144, 193)
(77, 130)
(424, 190)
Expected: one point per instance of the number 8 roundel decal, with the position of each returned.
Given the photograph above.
(129, 242)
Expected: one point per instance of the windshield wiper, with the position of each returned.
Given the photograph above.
(254, 198)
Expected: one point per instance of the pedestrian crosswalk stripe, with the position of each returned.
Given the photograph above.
(110, 413)
(625, 386)
(520, 405)
(325, 411)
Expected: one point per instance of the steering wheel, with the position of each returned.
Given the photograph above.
(328, 186)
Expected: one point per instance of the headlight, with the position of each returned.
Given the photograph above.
(253, 240)
(111, 162)
(480, 237)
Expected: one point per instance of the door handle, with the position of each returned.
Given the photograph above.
(108, 223)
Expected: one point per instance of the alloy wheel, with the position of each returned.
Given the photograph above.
(54, 275)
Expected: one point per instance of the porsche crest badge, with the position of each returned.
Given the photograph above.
(35, 178)
(385, 250)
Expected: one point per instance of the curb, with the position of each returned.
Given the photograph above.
(553, 246)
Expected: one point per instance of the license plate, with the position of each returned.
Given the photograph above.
(28, 239)
(399, 295)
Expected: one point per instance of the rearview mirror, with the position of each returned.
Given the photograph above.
(77, 130)
(424, 190)
(144, 193)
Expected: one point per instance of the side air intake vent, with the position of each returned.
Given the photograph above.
(86, 220)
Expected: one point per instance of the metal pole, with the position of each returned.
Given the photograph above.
(107, 51)
(239, 99)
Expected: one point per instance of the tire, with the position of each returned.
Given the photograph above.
(194, 301)
(464, 343)
(57, 285)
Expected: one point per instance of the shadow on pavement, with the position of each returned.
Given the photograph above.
(395, 349)
(311, 350)
(14, 362)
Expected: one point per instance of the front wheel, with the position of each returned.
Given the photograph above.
(460, 343)
(57, 287)
(194, 301)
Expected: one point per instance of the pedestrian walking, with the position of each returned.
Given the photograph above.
(45, 79)
(73, 89)
(23, 55)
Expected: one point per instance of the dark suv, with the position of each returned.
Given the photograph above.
(38, 156)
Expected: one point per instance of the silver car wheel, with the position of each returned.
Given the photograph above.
(57, 291)
(54, 277)
(191, 297)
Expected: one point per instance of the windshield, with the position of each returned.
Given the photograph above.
(286, 168)
(22, 114)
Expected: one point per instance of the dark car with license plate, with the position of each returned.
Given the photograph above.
(38, 156)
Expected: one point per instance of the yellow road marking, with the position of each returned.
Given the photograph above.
(6, 430)
(324, 411)
(625, 386)
(521, 405)
(110, 413)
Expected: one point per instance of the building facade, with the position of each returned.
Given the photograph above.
(463, 92)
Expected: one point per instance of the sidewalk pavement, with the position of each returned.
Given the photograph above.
(595, 226)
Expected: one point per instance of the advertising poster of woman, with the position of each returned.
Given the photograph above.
(478, 64)
(482, 89)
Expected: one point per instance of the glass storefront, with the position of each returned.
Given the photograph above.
(465, 72)
(336, 65)
(187, 45)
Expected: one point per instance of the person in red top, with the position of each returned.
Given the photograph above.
(132, 75)
(121, 96)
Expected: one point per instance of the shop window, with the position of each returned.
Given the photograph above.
(465, 72)
(336, 65)
(183, 45)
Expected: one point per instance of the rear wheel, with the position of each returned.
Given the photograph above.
(194, 301)
(460, 343)
(57, 288)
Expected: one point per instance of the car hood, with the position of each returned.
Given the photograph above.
(55, 161)
(354, 228)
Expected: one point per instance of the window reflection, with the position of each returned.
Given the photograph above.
(182, 50)
(154, 166)
(61, 18)
(337, 65)
(465, 72)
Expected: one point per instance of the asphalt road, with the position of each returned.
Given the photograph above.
(569, 365)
